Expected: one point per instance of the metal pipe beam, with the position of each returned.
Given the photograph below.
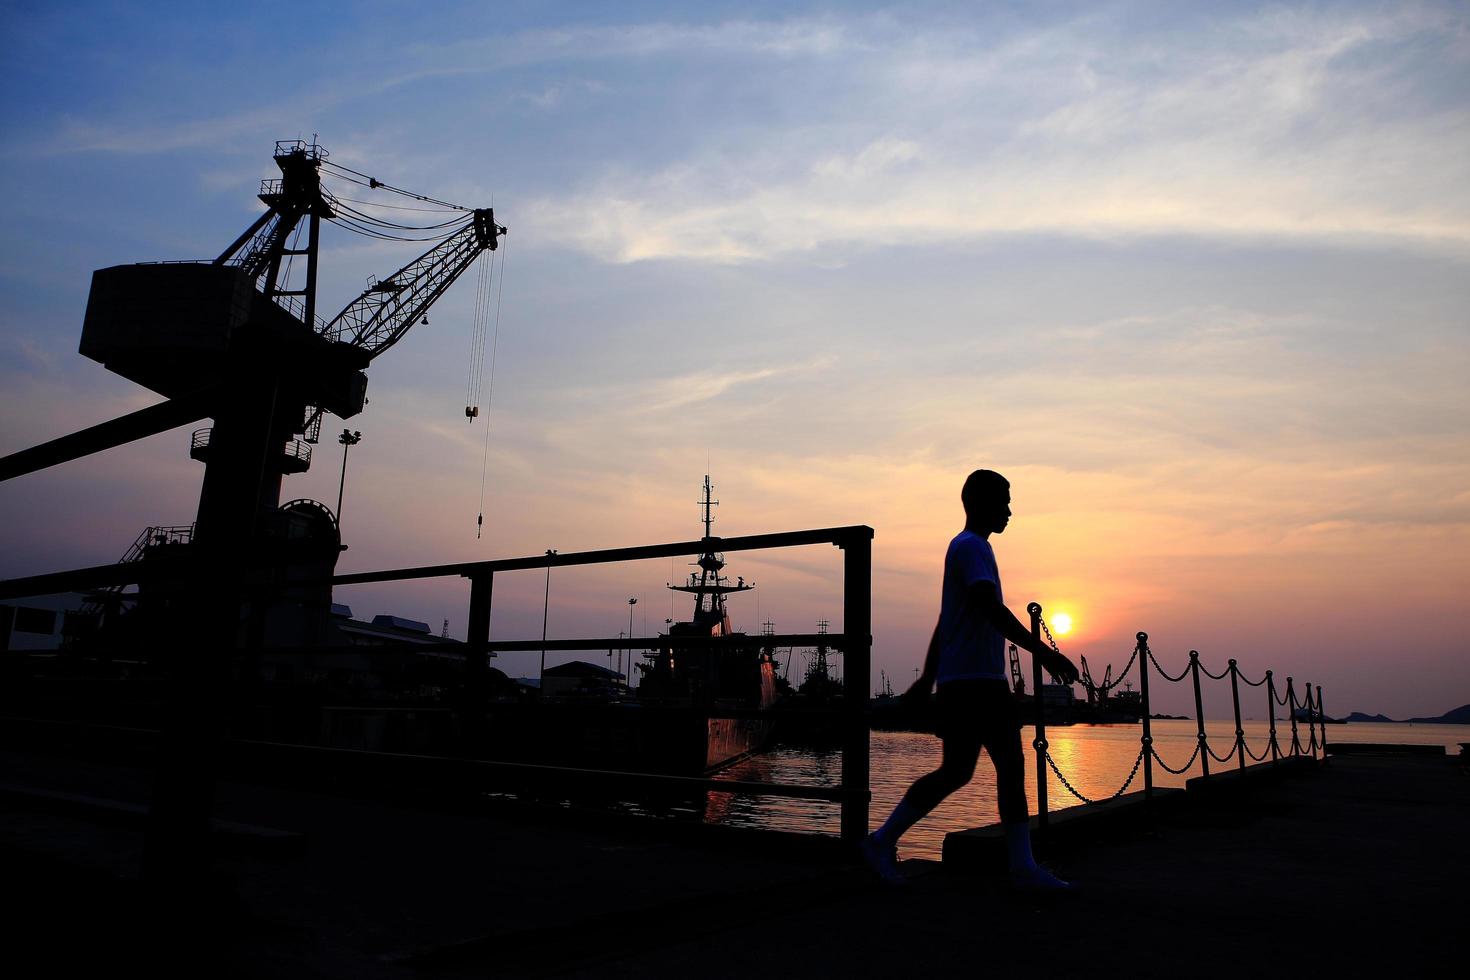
(105, 435)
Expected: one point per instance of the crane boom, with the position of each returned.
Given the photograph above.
(385, 311)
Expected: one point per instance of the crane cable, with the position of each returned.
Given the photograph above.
(476, 359)
(376, 184)
(373, 226)
(490, 391)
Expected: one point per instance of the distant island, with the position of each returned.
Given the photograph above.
(1459, 716)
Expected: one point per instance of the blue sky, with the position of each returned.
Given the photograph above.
(1194, 276)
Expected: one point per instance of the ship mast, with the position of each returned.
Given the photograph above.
(709, 587)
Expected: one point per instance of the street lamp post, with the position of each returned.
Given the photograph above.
(631, 604)
(348, 439)
(546, 606)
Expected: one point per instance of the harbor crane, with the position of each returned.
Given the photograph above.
(234, 339)
(238, 339)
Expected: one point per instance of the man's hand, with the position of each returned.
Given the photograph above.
(1060, 667)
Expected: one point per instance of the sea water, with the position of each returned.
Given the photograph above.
(1096, 759)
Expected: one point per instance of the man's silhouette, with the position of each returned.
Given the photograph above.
(975, 709)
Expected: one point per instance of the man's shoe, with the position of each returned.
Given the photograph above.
(1038, 880)
(882, 861)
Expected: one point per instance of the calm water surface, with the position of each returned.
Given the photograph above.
(1096, 759)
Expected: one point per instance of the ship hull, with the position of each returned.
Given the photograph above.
(669, 739)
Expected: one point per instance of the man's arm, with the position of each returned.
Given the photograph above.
(984, 602)
(921, 687)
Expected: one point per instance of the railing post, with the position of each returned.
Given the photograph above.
(1271, 714)
(1148, 734)
(476, 667)
(1311, 723)
(1039, 742)
(1235, 699)
(857, 629)
(1322, 719)
(1296, 740)
(1199, 714)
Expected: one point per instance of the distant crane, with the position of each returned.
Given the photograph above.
(1018, 680)
(1096, 693)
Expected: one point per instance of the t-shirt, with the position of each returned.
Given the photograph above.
(969, 647)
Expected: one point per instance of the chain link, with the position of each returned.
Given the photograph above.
(1087, 681)
(1161, 670)
(1073, 790)
(1183, 769)
(1092, 685)
(1045, 629)
(1221, 759)
(1282, 701)
(1214, 677)
(1256, 758)
(1248, 681)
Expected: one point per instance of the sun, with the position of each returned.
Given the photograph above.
(1061, 624)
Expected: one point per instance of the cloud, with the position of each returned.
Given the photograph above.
(1321, 128)
(792, 38)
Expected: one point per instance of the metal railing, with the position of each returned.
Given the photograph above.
(853, 793)
(1147, 754)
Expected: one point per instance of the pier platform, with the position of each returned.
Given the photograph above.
(1353, 867)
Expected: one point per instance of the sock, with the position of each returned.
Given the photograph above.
(1018, 843)
(904, 816)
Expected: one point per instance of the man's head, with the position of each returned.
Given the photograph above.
(987, 499)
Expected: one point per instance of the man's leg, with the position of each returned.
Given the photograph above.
(928, 791)
(1010, 790)
(956, 768)
(1004, 745)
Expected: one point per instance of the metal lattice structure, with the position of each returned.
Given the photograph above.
(385, 311)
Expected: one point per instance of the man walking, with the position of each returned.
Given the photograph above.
(967, 658)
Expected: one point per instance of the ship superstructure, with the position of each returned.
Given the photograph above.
(731, 673)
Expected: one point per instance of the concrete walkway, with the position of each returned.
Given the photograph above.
(1353, 868)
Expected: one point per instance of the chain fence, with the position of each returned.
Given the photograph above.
(1104, 799)
(1307, 709)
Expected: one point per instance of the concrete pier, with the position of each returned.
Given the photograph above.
(1352, 867)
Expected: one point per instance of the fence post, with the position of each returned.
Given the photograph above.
(1271, 714)
(1322, 718)
(477, 669)
(1199, 714)
(1296, 740)
(1148, 734)
(857, 628)
(1311, 723)
(1235, 698)
(1039, 743)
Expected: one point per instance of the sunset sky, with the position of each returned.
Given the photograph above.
(1196, 278)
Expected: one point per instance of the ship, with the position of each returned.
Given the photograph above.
(809, 715)
(730, 686)
(702, 702)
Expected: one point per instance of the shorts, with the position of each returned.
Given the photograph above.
(979, 711)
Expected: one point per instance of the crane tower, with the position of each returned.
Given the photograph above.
(266, 365)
